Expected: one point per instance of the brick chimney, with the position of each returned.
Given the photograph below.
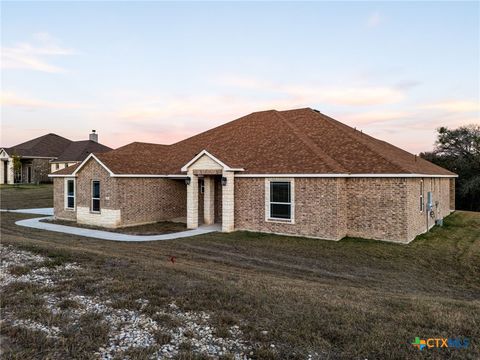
(94, 136)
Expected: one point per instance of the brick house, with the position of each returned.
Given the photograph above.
(295, 172)
(43, 155)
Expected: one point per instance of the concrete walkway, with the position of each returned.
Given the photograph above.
(35, 223)
(37, 211)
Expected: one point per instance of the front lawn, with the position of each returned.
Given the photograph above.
(274, 297)
(26, 196)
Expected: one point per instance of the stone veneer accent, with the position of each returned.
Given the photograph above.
(106, 218)
(228, 202)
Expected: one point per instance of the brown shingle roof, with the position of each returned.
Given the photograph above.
(50, 145)
(301, 141)
(79, 150)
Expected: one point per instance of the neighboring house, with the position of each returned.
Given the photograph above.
(45, 154)
(295, 172)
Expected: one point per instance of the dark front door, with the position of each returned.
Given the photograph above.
(5, 172)
(29, 174)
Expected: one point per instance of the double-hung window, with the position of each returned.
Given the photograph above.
(95, 196)
(280, 204)
(70, 194)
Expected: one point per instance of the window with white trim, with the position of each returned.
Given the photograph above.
(70, 194)
(421, 196)
(95, 196)
(280, 200)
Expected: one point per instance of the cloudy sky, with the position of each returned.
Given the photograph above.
(160, 72)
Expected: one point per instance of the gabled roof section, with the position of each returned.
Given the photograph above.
(206, 153)
(79, 150)
(301, 141)
(49, 145)
(65, 171)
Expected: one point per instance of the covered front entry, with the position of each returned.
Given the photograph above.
(210, 193)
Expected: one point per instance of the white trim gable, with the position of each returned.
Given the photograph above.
(206, 153)
(4, 153)
(86, 160)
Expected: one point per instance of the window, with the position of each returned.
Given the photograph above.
(66, 165)
(280, 200)
(70, 193)
(202, 186)
(96, 196)
(57, 166)
(421, 196)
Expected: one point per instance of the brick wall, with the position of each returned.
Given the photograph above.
(329, 208)
(376, 208)
(128, 201)
(418, 221)
(145, 200)
(59, 201)
(317, 210)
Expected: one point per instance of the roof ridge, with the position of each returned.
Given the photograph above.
(311, 145)
(361, 140)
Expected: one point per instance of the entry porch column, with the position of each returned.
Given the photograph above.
(192, 201)
(228, 217)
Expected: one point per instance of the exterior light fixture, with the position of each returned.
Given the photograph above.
(224, 181)
(187, 180)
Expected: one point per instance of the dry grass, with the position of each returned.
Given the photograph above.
(348, 299)
(23, 196)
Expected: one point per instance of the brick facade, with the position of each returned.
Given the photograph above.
(317, 208)
(327, 208)
(332, 208)
(376, 208)
(418, 221)
(59, 201)
(123, 201)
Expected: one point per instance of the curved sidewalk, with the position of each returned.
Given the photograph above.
(36, 211)
(35, 223)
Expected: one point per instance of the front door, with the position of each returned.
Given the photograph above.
(29, 174)
(5, 172)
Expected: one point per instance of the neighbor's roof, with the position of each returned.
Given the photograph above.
(79, 150)
(301, 141)
(50, 145)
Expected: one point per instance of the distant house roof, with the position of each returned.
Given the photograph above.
(57, 147)
(301, 141)
(79, 150)
(49, 146)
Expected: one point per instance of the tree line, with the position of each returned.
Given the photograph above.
(458, 150)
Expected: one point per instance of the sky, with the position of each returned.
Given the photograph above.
(162, 71)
